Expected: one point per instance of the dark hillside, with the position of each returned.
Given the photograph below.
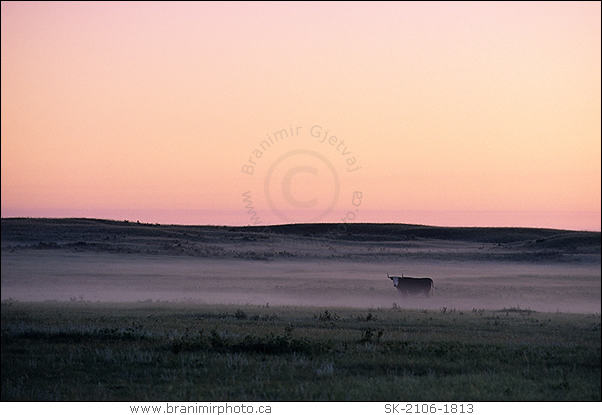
(368, 241)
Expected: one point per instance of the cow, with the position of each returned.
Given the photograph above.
(409, 285)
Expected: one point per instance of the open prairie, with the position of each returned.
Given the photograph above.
(191, 352)
(95, 310)
(311, 265)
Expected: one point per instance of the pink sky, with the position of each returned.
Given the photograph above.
(462, 114)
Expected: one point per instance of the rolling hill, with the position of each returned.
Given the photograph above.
(366, 241)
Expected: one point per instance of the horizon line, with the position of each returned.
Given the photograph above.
(138, 222)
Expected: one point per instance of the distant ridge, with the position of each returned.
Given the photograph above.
(393, 231)
(15, 230)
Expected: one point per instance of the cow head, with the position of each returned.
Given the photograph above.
(394, 279)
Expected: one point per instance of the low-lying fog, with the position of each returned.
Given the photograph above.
(63, 276)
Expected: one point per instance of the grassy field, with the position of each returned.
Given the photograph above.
(358, 241)
(185, 352)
